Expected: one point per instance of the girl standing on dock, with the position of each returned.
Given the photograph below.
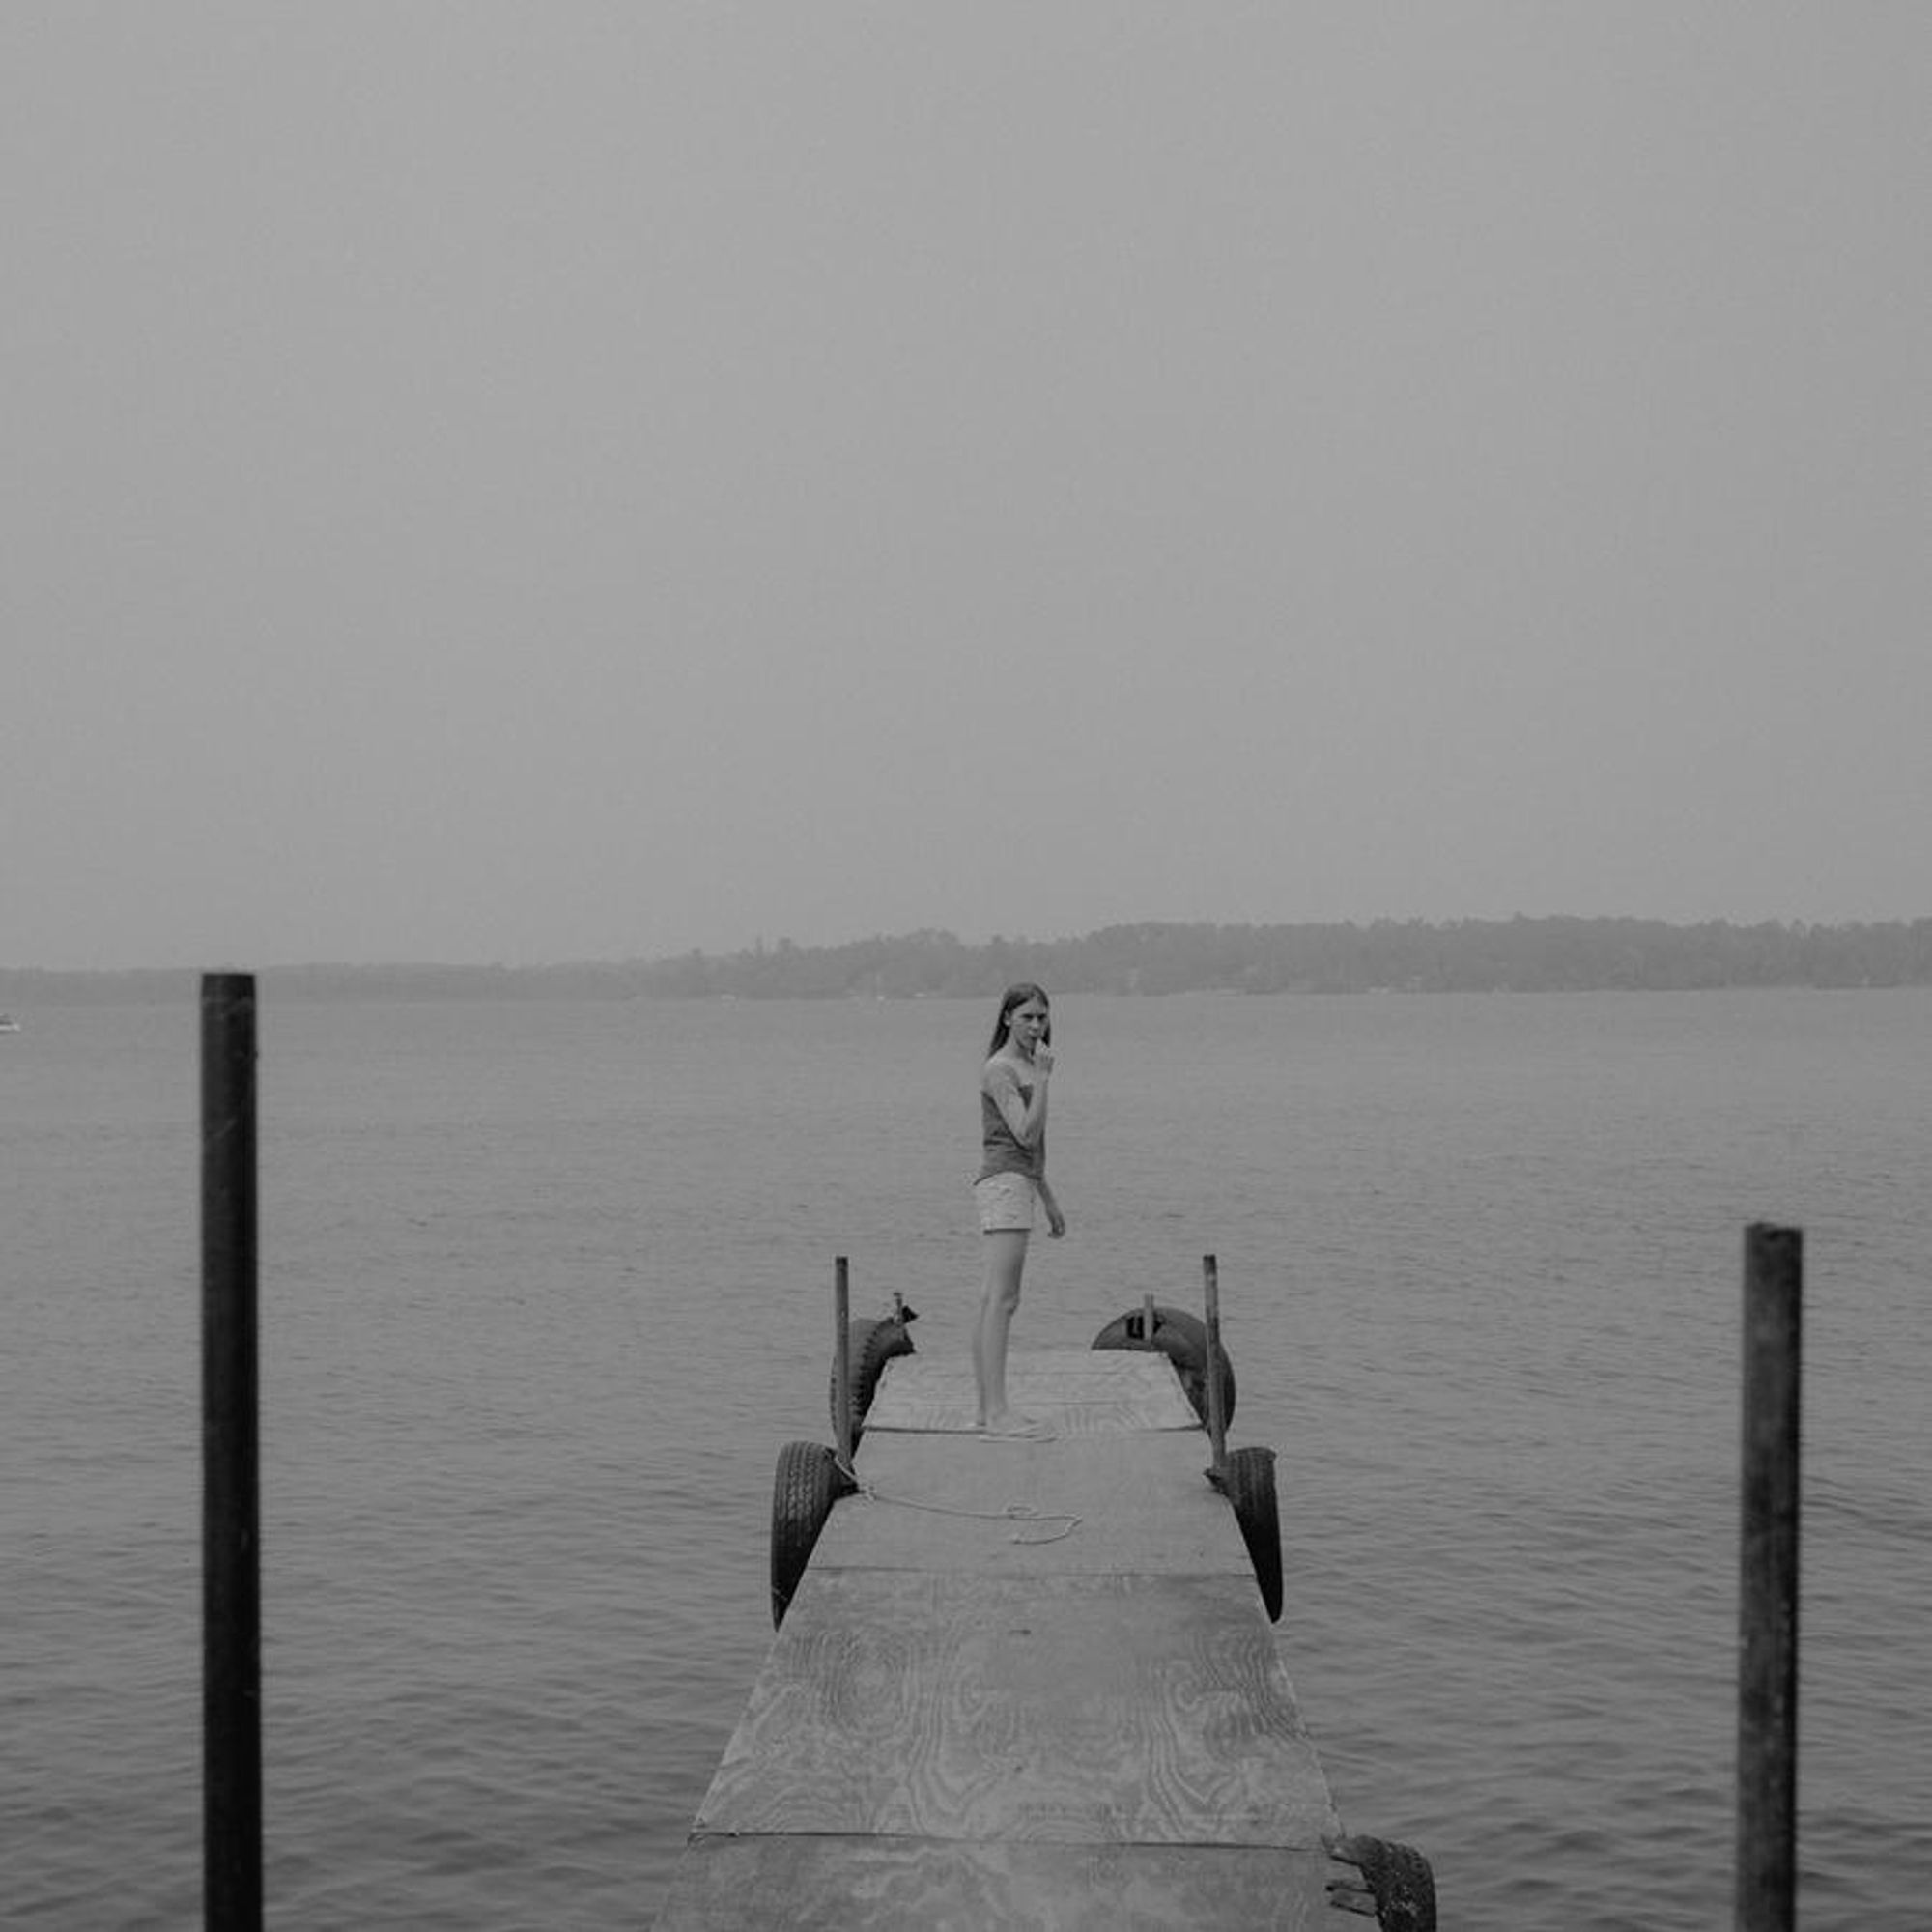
(1013, 1178)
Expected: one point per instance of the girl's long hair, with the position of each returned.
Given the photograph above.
(1018, 996)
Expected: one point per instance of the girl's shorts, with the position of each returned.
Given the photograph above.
(1004, 1202)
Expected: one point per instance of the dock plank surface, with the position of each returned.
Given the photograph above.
(1080, 1391)
(1123, 1709)
(1020, 1683)
(916, 1885)
(1082, 1504)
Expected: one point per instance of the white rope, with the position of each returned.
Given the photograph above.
(1021, 1513)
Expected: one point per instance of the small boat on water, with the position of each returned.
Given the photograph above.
(9, 1024)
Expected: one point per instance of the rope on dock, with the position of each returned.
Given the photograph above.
(1020, 1513)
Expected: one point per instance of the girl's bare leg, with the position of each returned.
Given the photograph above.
(1006, 1258)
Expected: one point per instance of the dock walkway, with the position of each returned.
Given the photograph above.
(1020, 1683)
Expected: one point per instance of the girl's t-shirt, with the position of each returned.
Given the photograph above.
(1003, 1151)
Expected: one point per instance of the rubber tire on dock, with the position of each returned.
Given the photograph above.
(1399, 1880)
(1248, 1483)
(808, 1482)
(870, 1345)
(1182, 1338)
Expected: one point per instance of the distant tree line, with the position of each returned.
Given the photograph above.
(1522, 954)
(1526, 955)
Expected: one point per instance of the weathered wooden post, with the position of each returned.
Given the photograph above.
(842, 1356)
(230, 1543)
(1768, 1592)
(1218, 1420)
(1147, 1315)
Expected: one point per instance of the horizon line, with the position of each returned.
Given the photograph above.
(614, 963)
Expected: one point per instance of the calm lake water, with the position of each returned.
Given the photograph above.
(547, 1285)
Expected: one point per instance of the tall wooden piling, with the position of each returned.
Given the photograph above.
(842, 1358)
(1217, 1420)
(231, 1570)
(1768, 1592)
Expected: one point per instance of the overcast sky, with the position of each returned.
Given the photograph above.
(545, 482)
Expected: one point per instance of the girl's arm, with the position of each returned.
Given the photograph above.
(1026, 1118)
(1055, 1221)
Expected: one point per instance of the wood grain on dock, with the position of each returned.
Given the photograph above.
(1020, 1683)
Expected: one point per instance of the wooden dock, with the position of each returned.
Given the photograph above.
(1022, 1683)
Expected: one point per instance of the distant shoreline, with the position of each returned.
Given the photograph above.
(1522, 955)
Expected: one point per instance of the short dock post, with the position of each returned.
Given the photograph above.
(1768, 1594)
(1218, 1420)
(842, 1356)
(231, 1565)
